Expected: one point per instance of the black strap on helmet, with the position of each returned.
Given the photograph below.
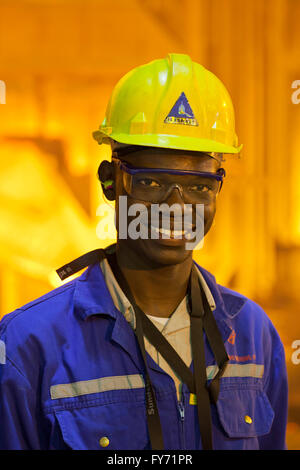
(202, 323)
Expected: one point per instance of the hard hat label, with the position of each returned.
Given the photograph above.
(181, 113)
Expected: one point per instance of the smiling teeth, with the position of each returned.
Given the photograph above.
(169, 232)
(173, 233)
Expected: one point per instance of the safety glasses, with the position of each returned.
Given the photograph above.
(156, 184)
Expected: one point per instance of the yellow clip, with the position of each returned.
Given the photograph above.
(248, 419)
(193, 399)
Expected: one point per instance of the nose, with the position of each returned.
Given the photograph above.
(174, 196)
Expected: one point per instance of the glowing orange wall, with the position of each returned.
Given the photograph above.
(60, 59)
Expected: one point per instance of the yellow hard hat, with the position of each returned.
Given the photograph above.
(171, 103)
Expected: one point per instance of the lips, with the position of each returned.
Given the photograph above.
(173, 234)
(171, 223)
(181, 226)
(163, 233)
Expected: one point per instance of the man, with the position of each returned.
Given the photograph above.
(145, 350)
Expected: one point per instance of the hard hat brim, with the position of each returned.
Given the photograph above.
(167, 141)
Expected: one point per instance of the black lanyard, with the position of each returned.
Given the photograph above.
(202, 320)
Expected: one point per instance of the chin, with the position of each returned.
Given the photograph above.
(161, 253)
(156, 253)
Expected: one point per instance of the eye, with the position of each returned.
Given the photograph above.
(148, 182)
(201, 188)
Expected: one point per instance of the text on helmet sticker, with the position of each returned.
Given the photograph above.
(181, 113)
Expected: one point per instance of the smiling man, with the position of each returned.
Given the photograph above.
(145, 350)
(151, 263)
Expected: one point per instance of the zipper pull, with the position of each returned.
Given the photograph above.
(181, 410)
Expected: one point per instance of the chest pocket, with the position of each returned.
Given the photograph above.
(244, 412)
(104, 427)
(91, 416)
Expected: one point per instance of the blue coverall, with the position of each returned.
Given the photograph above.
(74, 374)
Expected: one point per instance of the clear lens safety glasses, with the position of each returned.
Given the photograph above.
(156, 184)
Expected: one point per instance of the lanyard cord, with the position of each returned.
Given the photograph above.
(202, 320)
(154, 425)
(195, 382)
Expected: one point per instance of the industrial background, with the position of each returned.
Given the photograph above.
(60, 60)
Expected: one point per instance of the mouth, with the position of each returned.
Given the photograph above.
(166, 234)
(173, 236)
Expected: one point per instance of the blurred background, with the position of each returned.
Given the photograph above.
(60, 59)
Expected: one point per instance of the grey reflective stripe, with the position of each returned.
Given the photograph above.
(237, 370)
(128, 382)
(85, 387)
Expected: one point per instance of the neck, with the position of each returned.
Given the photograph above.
(157, 290)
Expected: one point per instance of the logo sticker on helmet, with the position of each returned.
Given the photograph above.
(181, 113)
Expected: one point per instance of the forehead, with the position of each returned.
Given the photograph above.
(172, 159)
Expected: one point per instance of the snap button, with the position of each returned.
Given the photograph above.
(248, 419)
(104, 441)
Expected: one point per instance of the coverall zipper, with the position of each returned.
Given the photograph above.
(182, 417)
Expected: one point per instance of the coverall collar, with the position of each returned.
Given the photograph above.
(92, 297)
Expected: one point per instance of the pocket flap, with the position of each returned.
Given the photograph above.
(108, 426)
(245, 412)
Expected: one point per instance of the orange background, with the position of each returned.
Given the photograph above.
(60, 60)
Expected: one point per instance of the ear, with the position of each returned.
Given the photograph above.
(221, 171)
(106, 175)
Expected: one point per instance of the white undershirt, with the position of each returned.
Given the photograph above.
(162, 320)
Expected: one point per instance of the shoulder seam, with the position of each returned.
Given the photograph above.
(50, 294)
(20, 310)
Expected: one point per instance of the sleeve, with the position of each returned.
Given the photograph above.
(18, 411)
(276, 389)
